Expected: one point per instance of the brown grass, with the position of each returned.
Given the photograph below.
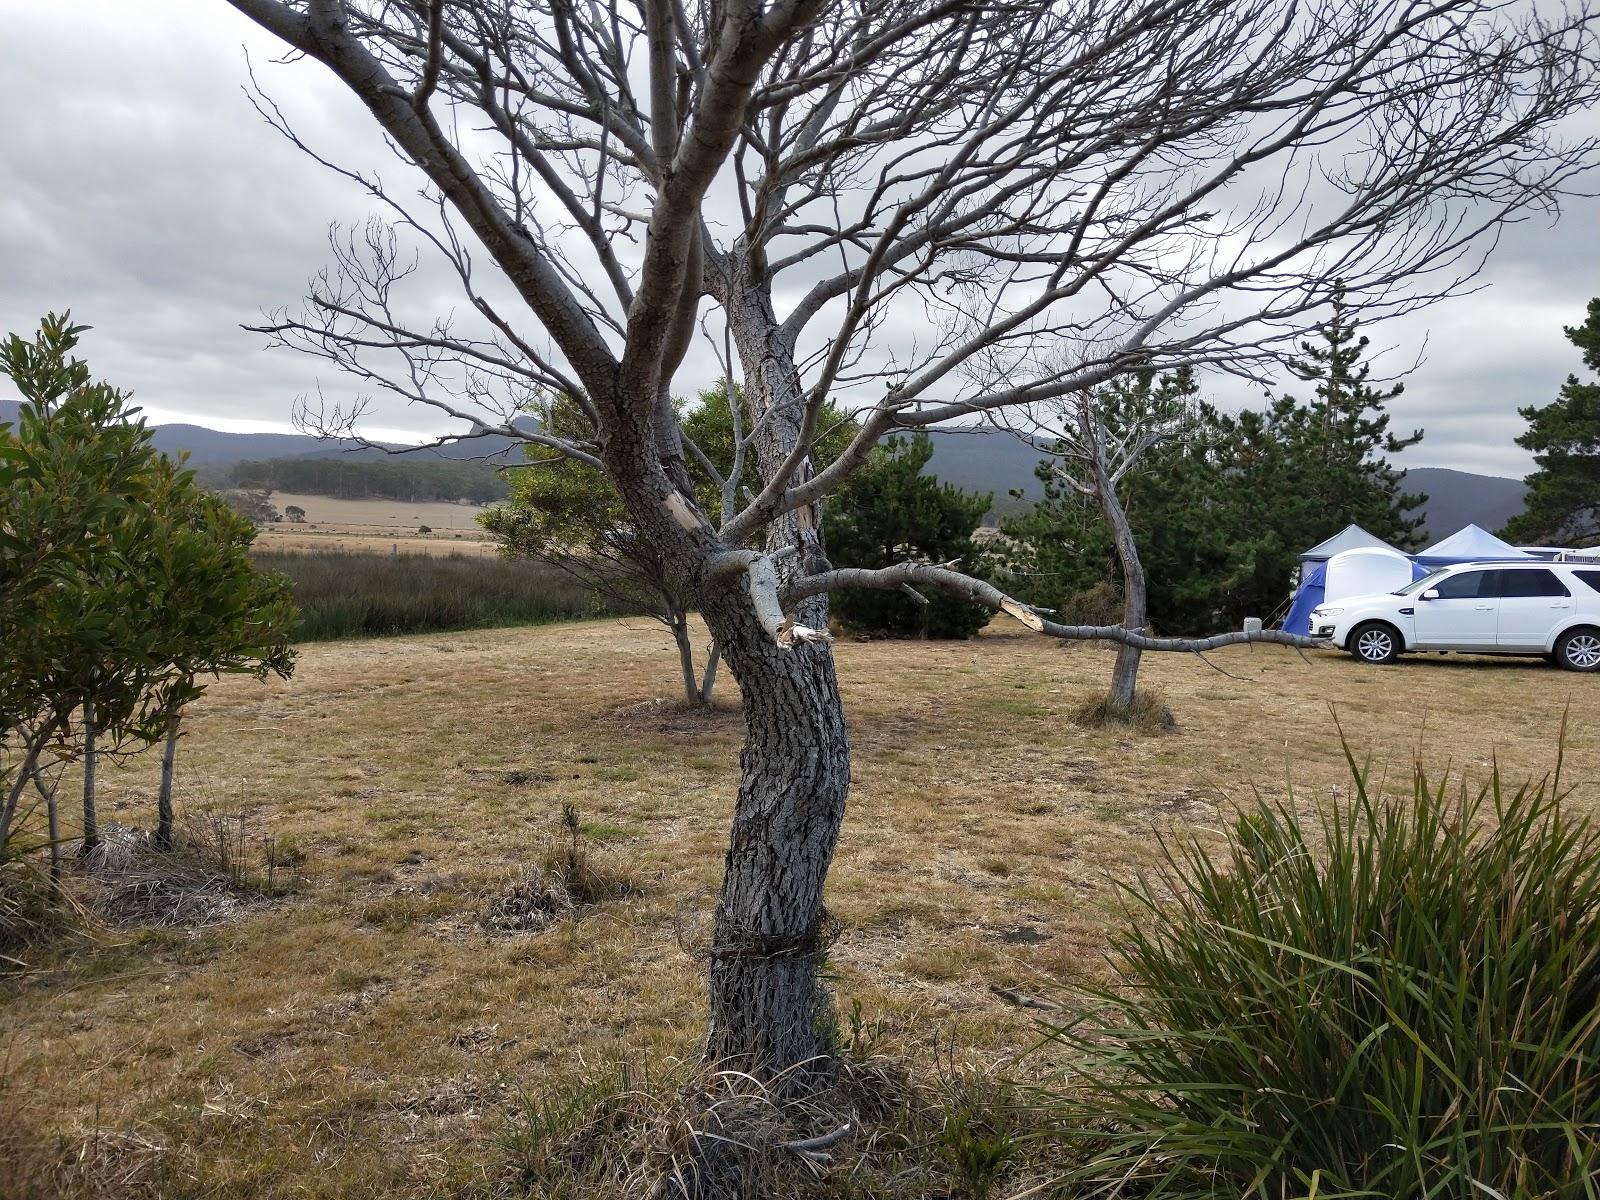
(377, 527)
(368, 1036)
(379, 514)
(297, 539)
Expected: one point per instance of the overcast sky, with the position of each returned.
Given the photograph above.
(139, 188)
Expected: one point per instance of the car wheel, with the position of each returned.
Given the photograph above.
(1374, 642)
(1579, 650)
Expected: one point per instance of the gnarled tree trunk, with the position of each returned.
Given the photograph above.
(1125, 674)
(770, 928)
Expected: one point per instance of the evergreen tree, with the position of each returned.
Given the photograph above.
(1340, 440)
(889, 512)
(1563, 502)
(566, 513)
(1222, 516)
(122, 583)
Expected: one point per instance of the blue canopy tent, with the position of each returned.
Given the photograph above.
(1471, 544)
(1351, 562)
(1468, 545)
(1313, 587)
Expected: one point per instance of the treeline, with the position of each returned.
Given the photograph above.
(346, 478)
(1222, 507)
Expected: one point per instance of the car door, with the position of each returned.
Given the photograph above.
(1534, 604)
(1464, 615)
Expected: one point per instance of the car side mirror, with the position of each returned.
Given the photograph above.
(1430, 594)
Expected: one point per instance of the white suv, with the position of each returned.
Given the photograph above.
(1548, 609)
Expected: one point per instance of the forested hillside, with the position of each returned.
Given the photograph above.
(346, 478)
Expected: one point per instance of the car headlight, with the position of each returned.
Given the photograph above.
(1326, 612)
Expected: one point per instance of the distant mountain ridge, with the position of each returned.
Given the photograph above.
(220, 448)
(975, 461)
(1460, 498)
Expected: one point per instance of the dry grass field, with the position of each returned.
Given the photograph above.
(365, 1035)
(377, 527)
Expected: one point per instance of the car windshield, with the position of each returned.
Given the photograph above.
(1417, 585)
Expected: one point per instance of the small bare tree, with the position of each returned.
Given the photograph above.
(1101, 437)
(892, 204)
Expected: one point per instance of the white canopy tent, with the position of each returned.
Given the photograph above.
(1471, 544)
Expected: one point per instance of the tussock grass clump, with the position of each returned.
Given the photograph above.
(693, 1132)
(214, 868)
(1398, 998)
(343, 595)
(571, 876)
(35, 911)
(689, 1132)
(1148, 714)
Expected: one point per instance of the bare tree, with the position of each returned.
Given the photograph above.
(1101, 436)
(894, 204)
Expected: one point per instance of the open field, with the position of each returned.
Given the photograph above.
(377, 527)
(365, 1036)
(381, 514)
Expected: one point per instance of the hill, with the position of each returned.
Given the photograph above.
(1457, 498)
(219, 448)
(977, 461)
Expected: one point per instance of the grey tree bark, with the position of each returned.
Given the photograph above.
(1125, 672)
(33, 743)
(52, 821)
(708, 680)
(91, 818)
(680, 638)
(770, 927)
(169, 761)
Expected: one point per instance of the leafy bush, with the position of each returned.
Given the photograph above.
(370, 595)
(1402, 1000)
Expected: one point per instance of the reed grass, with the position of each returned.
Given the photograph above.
(342, 595)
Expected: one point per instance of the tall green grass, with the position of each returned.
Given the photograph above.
(371, 595)
(1399, 999)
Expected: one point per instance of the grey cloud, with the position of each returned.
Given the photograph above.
(138, 187)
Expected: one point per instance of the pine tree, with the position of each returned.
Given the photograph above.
(890, 511)
(1563, 502)
(1340, 440)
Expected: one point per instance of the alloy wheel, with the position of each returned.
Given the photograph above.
(1583, 651)
(1375, 645)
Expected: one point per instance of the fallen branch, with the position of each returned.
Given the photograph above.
(1022, 999)
(981, 592)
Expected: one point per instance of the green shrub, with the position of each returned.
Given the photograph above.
(371, 595)
(1400, 998)
(890, 512)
